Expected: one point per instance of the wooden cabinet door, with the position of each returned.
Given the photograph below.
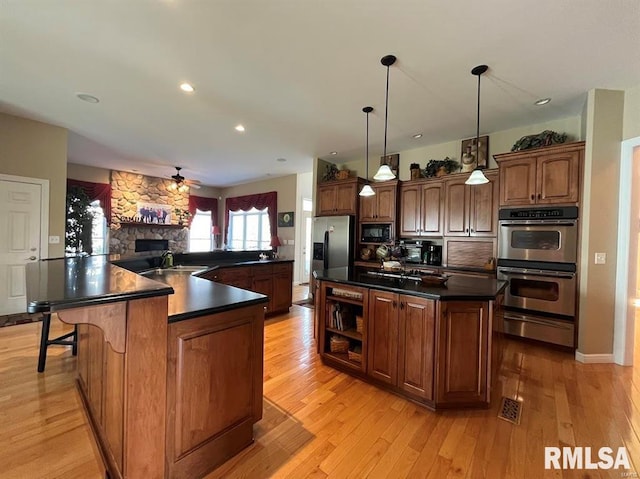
(456, 208)
(382, 337)
(386, 203)
(239, 277)
(263, 284)
(346, 199)
(431, 209)
(410, 214)
(518, 182)
(416, 346)
(282, 282)
(326, 200)
(483, 207)
(557, 178)
(462, 352)
(368, 208)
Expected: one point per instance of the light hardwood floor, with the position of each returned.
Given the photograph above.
(321, 423)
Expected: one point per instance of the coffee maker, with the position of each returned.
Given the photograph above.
(433, 255)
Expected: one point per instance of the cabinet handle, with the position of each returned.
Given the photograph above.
(539, 196)
(472, 230)
(401, 305)
(533, 197)
(466, 230)
(395, 304)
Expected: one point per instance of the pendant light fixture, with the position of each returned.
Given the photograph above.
(366, 189)
(384, 172)
(477, 176)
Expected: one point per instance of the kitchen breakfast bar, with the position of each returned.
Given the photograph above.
(170, 373)
(432, 340)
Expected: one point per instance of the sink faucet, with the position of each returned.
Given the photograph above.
(167, 259)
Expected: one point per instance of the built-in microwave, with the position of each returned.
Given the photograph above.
(375, 232)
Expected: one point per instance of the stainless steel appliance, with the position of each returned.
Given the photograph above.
(433, 255)
(537, 255)
(333, 242)
(375, 232)
(543, 234)
(414, 250)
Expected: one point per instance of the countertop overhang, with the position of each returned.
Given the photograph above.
(457, 288)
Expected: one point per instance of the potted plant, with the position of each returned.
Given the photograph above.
(441, 167)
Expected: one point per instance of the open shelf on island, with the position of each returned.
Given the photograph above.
(349, 333)
(345, 299)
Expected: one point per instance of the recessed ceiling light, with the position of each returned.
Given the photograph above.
(88, 98)
(334, 153)
(542, 101)
(281, 160)
(417, 135)
(187, 87)
(239, 128)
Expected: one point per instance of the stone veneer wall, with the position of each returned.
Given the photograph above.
(127, 189)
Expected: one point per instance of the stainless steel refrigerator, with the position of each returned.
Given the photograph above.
(333, 241)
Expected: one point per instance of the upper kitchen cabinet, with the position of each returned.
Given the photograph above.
(421, 208)
(340, 197)
(543, 176)
(380, 208)
(471, 210)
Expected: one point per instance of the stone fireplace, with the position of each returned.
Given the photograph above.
(127, 190)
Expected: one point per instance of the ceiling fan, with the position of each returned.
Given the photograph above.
(180, 183)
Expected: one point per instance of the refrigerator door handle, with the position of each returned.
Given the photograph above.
(325, 248)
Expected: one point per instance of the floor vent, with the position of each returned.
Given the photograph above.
(510, 410)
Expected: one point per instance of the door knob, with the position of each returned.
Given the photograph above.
(32, 258)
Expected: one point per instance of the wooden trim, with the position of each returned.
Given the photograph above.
(110, 318)
(562, 147)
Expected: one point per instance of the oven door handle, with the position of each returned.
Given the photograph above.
(541, 322)
(537, 272)
(538, 222)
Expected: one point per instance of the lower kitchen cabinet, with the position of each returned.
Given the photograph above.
(433, 352)
(274, 280)
(401, 342)
(463, 340)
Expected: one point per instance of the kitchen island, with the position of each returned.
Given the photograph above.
(169, 365)
(433, 344)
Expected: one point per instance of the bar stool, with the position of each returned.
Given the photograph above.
(69, 339)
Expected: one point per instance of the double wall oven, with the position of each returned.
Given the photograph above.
(537, 255)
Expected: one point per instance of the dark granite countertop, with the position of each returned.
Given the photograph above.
(457, 288)
(196, 297)
(67, 283)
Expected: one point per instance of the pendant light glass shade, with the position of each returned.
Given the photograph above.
(477, 176)
(384, 172)
(366, 189)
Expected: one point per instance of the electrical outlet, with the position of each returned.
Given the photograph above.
(601, 258)
(54, 239)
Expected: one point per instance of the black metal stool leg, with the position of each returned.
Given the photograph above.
(44, 341)
(74, 348)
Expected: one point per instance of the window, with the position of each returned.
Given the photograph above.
(99, 239)
(249, 230)
(200, 232)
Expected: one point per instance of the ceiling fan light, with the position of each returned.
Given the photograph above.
(367, 191)
(476, 178)
(384, 173)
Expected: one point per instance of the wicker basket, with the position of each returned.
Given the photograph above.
(353, 356)
(342, 175)
(338, 344)
(359, 324)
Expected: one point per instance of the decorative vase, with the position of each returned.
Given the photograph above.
(415, 173)
(442, 171)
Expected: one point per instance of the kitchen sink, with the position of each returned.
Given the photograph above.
(178, 268)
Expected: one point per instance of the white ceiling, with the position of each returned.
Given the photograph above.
(296, 74)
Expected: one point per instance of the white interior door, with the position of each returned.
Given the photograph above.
(20, 215)
(305, 253)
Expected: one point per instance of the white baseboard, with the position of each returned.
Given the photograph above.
(594, 358)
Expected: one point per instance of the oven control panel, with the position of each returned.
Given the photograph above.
(565, 212)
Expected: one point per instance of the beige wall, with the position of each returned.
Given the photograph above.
(286, 186)
(499, 142)
(631, 113)
(599, 217)
(38, 150)
(88, 173)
